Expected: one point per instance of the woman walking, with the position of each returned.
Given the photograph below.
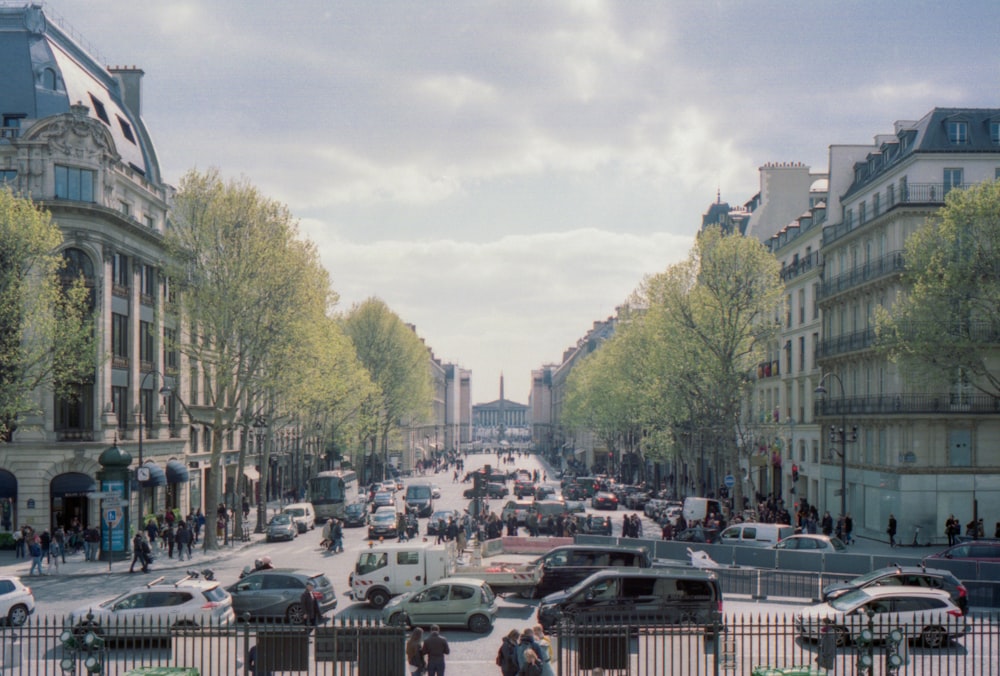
(414, 657)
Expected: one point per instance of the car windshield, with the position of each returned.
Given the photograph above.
(387, 517)
(295, 511)
(838, 545)
(214, 594)
(355, 508)
(281, 519)
(418, 492)
(849, 601)
(869, 577)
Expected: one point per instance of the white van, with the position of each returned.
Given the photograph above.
(302, 514)
(755, 534)
(698, 509)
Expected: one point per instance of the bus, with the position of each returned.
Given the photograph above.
(330, 493)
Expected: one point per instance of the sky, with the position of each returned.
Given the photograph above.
(504, 174)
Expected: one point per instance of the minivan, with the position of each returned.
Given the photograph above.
(565, 566)
(302, 514)
(652, 597)
(420, 498)
(755, 534)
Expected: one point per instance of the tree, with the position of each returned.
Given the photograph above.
(946, 328)
(397, 362)
(46, 329)
(246, 285)
(712, 316)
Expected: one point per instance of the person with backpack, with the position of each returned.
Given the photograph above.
(507, 654)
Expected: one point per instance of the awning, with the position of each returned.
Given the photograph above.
(177, 472)
(251, 473)
(157, 477)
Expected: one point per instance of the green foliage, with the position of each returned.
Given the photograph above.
(946, 328)
(46, 332)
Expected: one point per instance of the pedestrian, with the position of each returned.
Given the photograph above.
(525, 644)
(952, 529)
(35, 550)
(435, 647)
(45, 540)
(183, 539)
(547, 656)
(59, 543)
(168, 538)
(891, 530)
(337, 533)
(310, 605)
(136, 552)
(827, 524)
(91, 540)
(147, 554)
(19, 548)
(414, 657)
(507, 654)
(199, 523)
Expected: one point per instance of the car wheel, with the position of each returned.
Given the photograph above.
(398, 620)
(295, 614)
(479, 624)
(17, 615)
(378, 598)
(934, 637)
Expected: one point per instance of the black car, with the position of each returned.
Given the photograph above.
(905, 576)
(493, 490)
(356, 514)
(588, 524)
(276, 594)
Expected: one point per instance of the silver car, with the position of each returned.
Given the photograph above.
(282, 527)
(452, 602)
(276, 594)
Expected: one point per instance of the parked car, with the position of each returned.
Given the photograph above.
(276, 594)
(971, 550)
(156, 609)
(454, 602)
(811, 543)
(281, 527)
(929, 614)
(17, 602)
(904, 576)
(356, 514)
(302, 514)
(438, 520)
(602, 500)
(383, 524)
(383, 499)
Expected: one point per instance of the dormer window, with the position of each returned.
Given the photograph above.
(126, 129)
(100, 110)
(958, 132)
(995, 133)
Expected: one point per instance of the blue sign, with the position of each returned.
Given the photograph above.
(113, 533)
(730, 481)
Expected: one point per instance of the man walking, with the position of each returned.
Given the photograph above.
(891, 530)
(435, 648)
(183, 539)
(310, 606)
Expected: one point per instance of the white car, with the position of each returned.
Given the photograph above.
(157, 608)
(435, 491)
(16, 600)
(928, 615)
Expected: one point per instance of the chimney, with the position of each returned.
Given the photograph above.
(130, 81)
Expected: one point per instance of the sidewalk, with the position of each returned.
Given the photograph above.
(76, 566)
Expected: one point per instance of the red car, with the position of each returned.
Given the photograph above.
(604, 500)
(522, 488)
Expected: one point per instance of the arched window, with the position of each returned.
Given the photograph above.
(49, 79)
(75, 412)
(78, 264)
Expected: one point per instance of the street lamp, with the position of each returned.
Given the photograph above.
(821, 391)
(260, 427)
(142, 473)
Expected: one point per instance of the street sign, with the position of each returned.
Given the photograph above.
(112, 516)
(730, 481)
(111, 501)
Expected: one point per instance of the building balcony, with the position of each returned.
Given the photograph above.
(800, 266)
(908, 404)
(912, 194)
(848, 342)
(75, 434)
(890, 264)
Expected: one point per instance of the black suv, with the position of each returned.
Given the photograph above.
(904, 576)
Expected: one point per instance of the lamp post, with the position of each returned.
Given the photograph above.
(260, 427)
(820, 390)
(142, 473)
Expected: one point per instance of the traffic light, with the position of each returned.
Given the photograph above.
(795, 473)
(895, 651)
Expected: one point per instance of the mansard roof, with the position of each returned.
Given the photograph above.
(46, 71)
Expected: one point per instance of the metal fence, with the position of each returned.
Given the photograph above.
(45, 646)
(761, 645)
